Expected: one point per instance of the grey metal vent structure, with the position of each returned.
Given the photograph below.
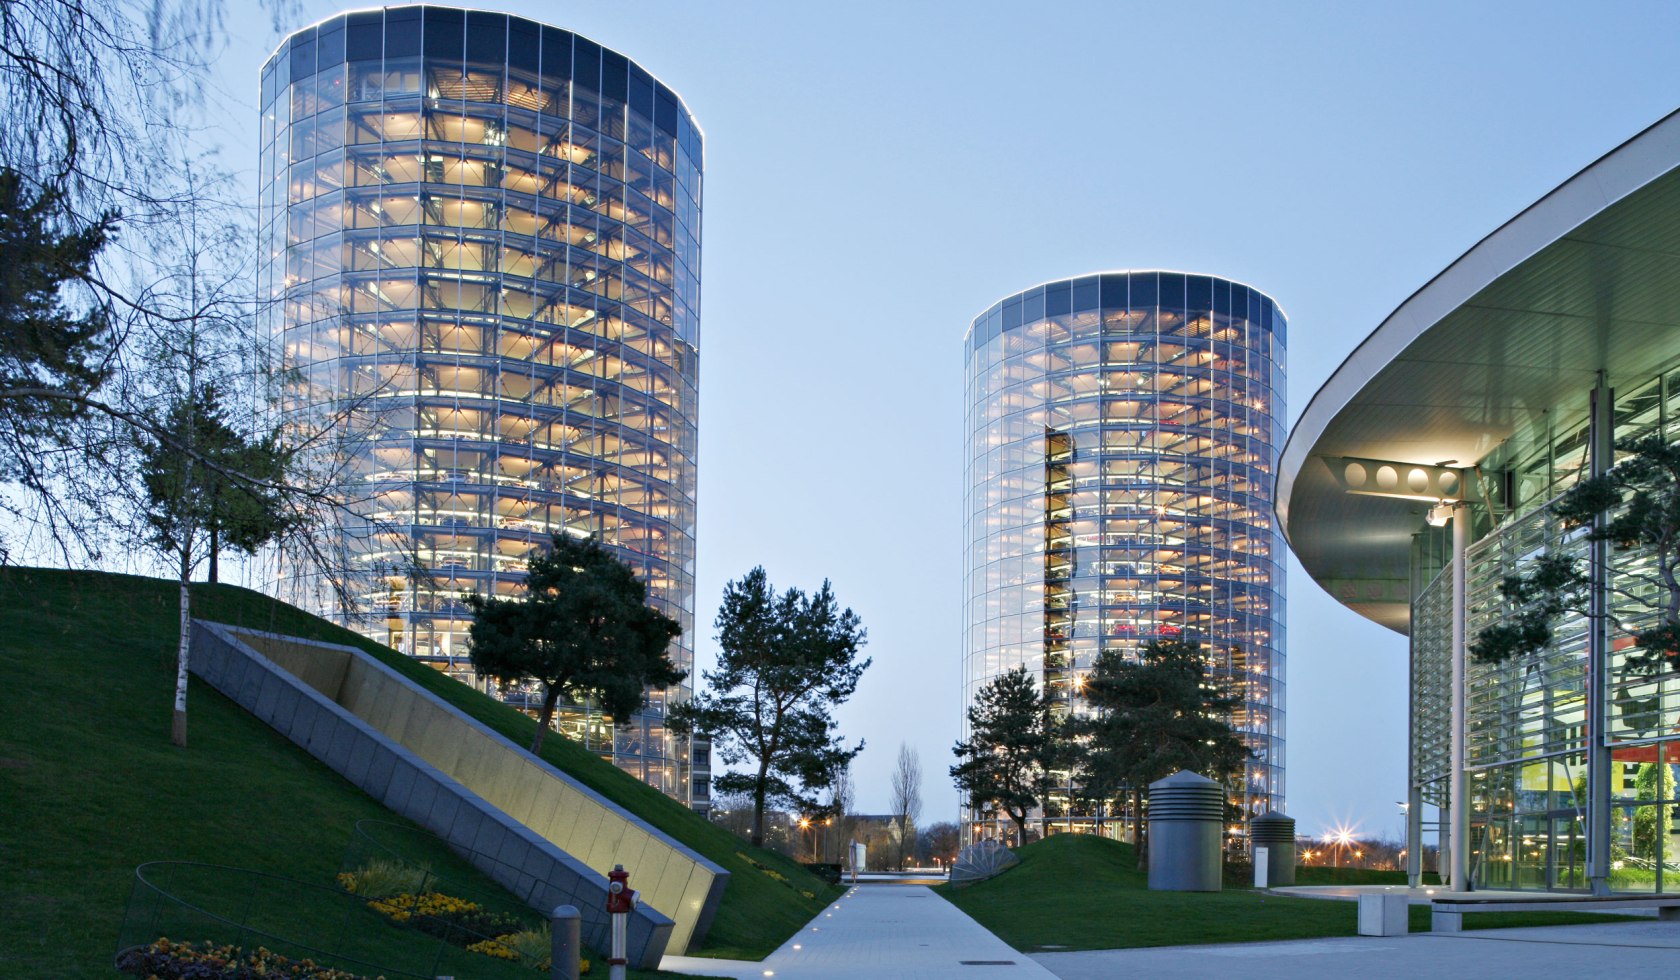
(1186, 812)
(550, 836)
(1276, 833)
(980, 861)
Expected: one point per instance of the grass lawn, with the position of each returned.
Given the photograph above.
(90, 786)
(1026, 905)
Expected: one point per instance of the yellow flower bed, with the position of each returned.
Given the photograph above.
(401, 908)
(494, 947)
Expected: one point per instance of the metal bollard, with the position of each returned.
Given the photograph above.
(565, 931)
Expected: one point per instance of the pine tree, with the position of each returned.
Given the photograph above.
(1012, 743)
(785, 663)
(1153, 716)
(583, 630)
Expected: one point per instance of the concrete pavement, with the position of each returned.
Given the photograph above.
(1421, 895)
(1613, 948)
(896, 930)
(903, 931)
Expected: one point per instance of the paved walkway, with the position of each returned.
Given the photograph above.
(1421, 895)
(881, 931)
(1614, 948)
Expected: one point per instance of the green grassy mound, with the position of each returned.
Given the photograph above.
(91, 786)
(1027, 906)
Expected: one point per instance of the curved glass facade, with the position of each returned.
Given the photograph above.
(1528, 720)
(482, 248)
(1122, 434)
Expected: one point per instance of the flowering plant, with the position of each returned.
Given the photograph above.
(454, 919)
(169, 960)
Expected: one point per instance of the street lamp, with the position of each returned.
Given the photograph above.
(1340, 839)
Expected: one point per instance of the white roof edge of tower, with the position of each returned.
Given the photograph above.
(693, 121)
(1613, 176)
(1121, 272)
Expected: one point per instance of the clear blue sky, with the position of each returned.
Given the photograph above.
(879, 172)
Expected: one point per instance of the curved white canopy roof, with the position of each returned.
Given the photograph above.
(1586, 279)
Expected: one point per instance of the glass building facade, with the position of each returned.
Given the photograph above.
(1122, 434)
(481, 254)
(1527, 720)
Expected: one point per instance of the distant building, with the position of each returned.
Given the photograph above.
(481, 236)
(1122, 433)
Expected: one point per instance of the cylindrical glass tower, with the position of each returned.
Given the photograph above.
(481, 248)
(1122, 432)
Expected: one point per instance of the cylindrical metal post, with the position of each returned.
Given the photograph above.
(1414, 837)
(1460, 791)
(617, 963)
(1443, 840)
(1601, 456)
(565, 925)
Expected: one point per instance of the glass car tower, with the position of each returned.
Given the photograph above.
(481, 253)
(1122, 434)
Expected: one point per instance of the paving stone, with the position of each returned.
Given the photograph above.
(901, 931)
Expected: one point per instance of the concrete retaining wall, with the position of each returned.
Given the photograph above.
(549, 839)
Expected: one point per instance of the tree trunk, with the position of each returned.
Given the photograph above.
(545, 717)
(183, 652)
(1140, 835)
(215, 549)
(1020, 828)
(758, 810)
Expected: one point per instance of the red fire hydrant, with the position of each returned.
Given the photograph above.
(620, 901)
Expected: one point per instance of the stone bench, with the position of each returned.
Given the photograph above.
(1447, 914)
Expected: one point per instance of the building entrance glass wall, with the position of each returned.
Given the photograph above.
(1528, 719)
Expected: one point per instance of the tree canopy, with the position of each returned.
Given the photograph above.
(53, 351)
(1153, 716)
(1639, 500)
(785, 662)
(906, 795)
(1012, 743)
(583, 630)
(210, 487)
(1158, 714)
(207, 487)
